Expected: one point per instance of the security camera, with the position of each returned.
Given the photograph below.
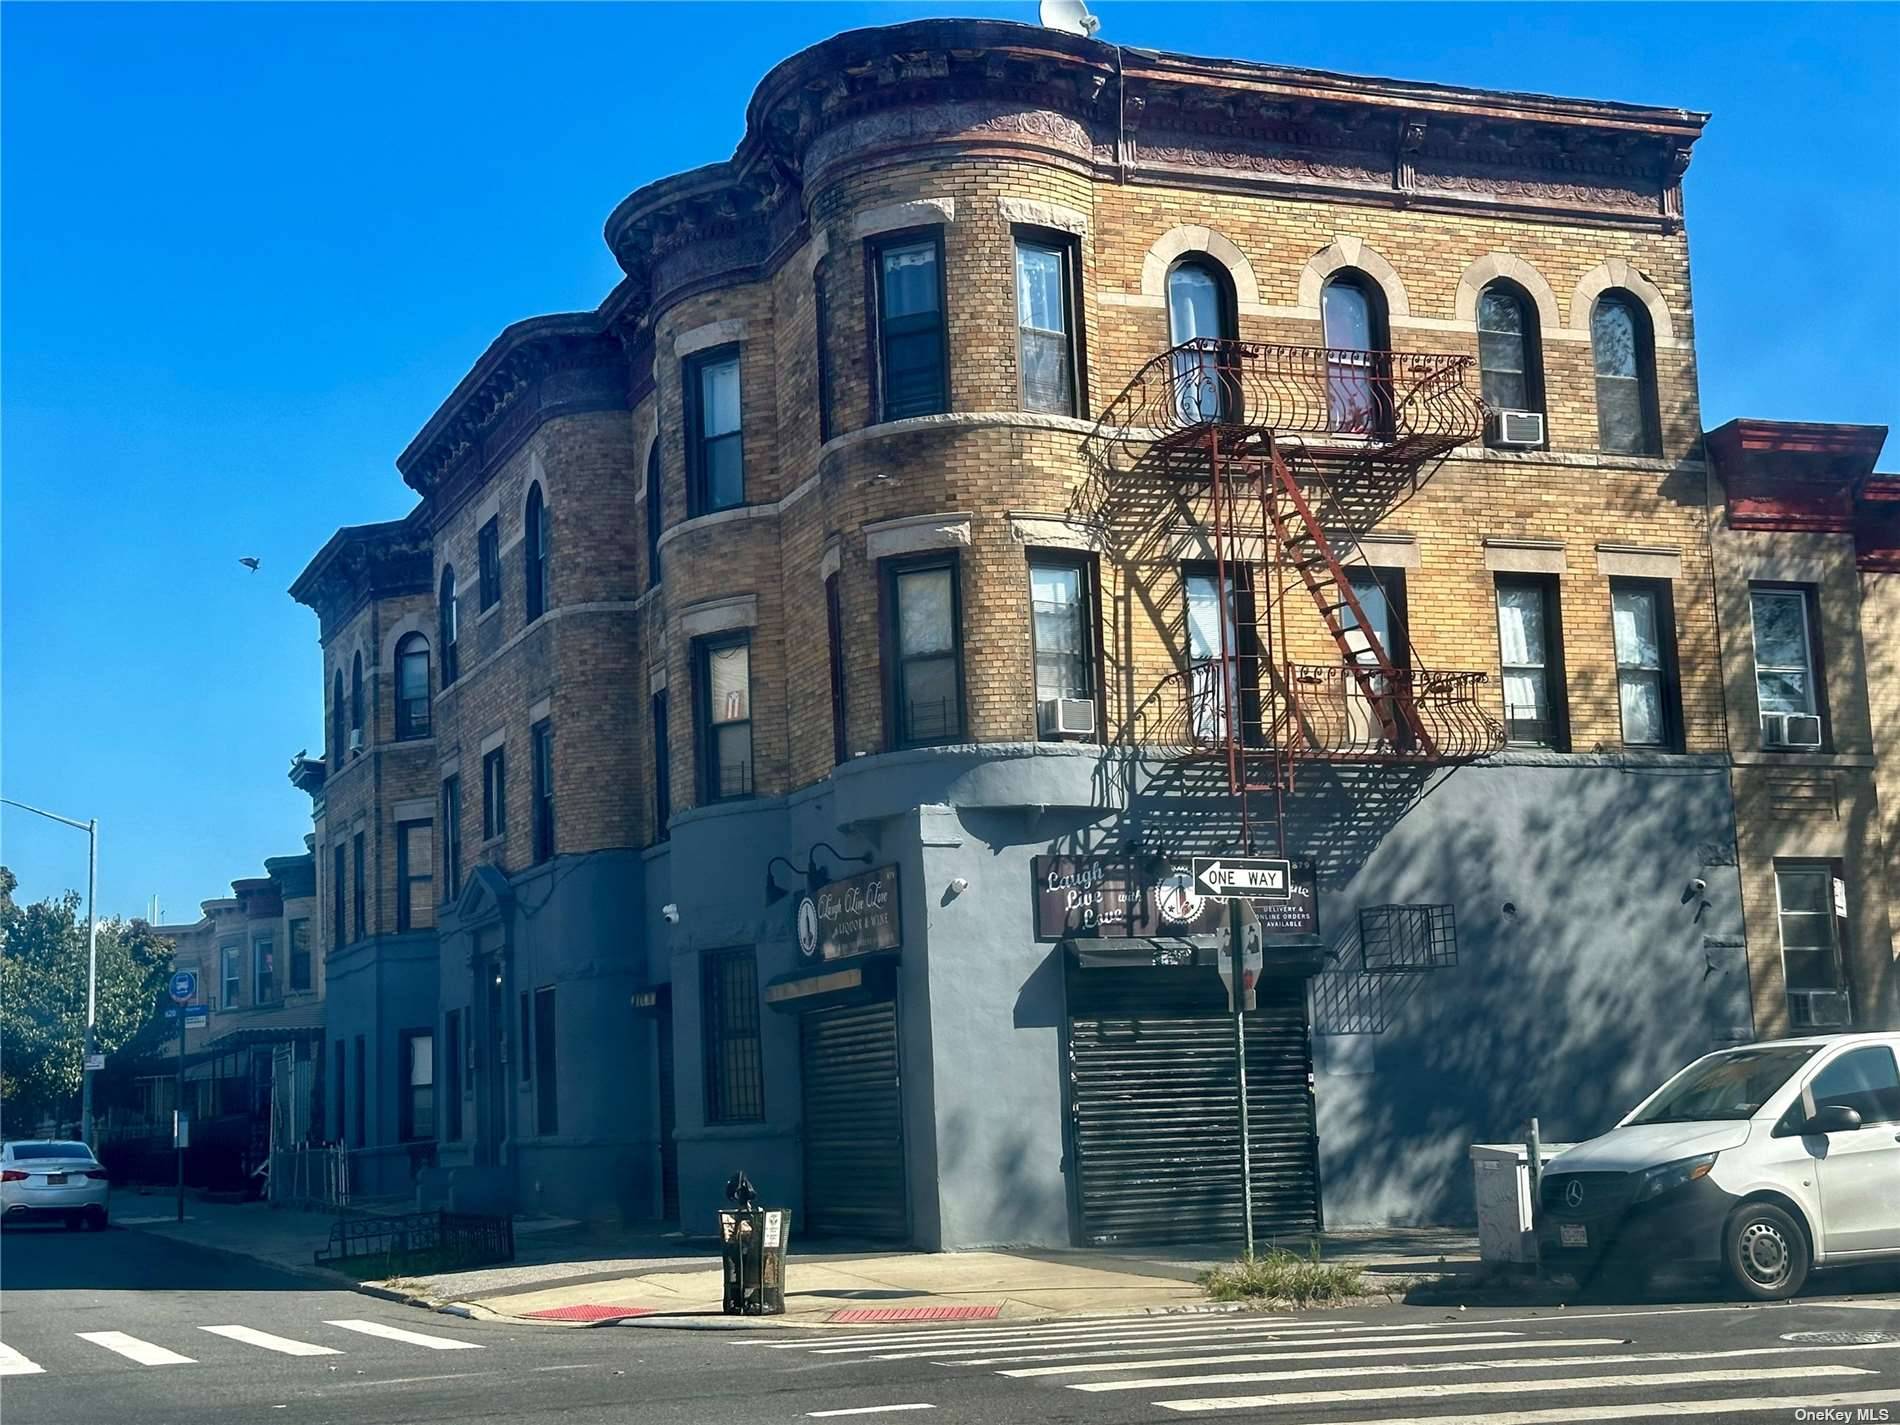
(670, 913)
(1698, 885)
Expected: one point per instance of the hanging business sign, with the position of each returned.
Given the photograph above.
(1114, 898)
(854, 916)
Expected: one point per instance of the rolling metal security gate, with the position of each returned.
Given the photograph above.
(1155, 1115)
(854, 1123)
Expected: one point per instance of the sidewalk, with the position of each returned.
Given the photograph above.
(574, 1273)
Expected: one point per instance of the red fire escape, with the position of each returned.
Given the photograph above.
(1282, 459)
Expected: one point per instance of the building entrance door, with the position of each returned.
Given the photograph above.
(854, 1123)
(491, 1097)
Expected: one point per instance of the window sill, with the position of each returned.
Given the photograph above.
(490, 612)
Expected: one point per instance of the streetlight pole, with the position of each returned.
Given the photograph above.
(91, 828)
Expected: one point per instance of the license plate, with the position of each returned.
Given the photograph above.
(1572, 1234)
(55, 1179)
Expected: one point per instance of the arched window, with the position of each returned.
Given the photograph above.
(1510, 365)
(1624, 346)
(1200, 310)
(653, 514)
(534, 556)
(337, 745)
(412, 686)
(1358, 371)
(445, 611)
(356, 701)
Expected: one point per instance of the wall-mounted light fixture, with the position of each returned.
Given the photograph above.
(814, 878)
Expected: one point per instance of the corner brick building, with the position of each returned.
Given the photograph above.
(780, 735)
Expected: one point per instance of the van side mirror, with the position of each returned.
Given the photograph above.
(1833, 1118)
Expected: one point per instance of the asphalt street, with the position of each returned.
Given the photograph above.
(126, 1327)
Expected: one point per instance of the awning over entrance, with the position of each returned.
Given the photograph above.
(828, 983)
(1284, 955)
(283, 1026)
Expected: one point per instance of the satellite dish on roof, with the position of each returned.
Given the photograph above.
(1070, 15)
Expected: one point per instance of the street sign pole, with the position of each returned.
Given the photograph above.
(1236, 938)
(178, 1115)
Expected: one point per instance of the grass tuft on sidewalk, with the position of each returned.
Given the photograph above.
(1281, 1278)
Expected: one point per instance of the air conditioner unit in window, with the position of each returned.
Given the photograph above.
(1515, 430)
(356, 739)
(1818, 1009)
(1068, 717)
(1790, 730)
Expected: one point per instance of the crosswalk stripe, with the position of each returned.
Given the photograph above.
(1446, 1389)
(1168, 1327)
(281, 1344)
(1357, 1353)
(1646, 1410)
(12, 1363)
(1171, 1341)
(133, 1349)
(1086, 1326)
(1541, 1363)
(414, 1338)
(1289, 1334)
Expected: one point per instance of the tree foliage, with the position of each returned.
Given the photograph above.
(43, 1003)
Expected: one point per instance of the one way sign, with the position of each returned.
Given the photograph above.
(1255, 878)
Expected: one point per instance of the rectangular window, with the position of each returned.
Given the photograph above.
(725, 718)
(488, 552)
(541, 760)
(412, 688)
(418, 1101)
(299, 956)
(1372, 716)
(359, 868)
(1530, 650)
(451, 1060)
(821, 328)
(451, 837)
(230, 976)
(264, 970)
(527, 1038)
(715, 455)
(1785, 663)
(1216, 624)
(834, 635)
(361, 1138)
(1045, 323)
(547, 1104)
(662, 768)
(729, 1005)
(336, 896)
(1811, 908)
(494, 796)
(1062, 633)
(415, 875)
(1648, 690)
(913, 359)
(923, 651)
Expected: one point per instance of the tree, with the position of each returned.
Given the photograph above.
(43, 1002)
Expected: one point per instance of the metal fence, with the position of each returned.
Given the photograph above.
(419, 1241)
(310, 1175)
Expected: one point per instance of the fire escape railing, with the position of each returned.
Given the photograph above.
(1286, 456)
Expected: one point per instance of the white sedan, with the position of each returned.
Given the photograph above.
(52, 1178)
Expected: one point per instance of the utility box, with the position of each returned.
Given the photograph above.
(1501, 1183)
(752, 1243)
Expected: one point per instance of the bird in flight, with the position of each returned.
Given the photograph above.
(250, 563)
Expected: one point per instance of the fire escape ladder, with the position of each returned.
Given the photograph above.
(1303, 542)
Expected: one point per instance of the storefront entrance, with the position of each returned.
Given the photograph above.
(854, 1123)
(1154, 1111)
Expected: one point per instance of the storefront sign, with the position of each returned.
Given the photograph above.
(1110, 898)
(851, 917)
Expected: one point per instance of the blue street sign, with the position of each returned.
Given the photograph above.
(184, 985)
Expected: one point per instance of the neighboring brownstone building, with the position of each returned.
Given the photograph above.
(778, 737)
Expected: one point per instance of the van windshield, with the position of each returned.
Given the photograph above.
(1726, 1086)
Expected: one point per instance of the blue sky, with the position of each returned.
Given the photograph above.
(247, 250)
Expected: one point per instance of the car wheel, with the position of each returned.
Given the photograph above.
(1766, 1252)
(72, 1222)
(96, 1219)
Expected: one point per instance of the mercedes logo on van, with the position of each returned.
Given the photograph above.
(1573, 1194)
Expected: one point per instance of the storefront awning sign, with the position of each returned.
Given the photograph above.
(1116, 898)
(855, 916)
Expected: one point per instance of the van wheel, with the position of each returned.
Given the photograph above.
(1766, 1252)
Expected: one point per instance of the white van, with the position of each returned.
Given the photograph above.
(1765, 1160)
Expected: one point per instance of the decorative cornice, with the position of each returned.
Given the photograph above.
(362, 562)
(1794, 475)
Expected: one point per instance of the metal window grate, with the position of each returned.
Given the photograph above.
(735, 1081)
(1407, 939)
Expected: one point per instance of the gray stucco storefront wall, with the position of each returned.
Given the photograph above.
(573, 925)
(375, 990)
(1586, 972)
